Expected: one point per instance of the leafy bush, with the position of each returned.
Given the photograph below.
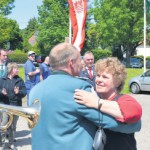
(18, 56)
(100, 53)
(148, 58)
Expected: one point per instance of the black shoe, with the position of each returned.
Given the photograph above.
(15, 140)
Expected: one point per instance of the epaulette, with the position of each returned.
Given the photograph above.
(82, 78)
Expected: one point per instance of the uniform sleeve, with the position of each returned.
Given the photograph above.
(106, 121)
(128, 128)
(130, 109)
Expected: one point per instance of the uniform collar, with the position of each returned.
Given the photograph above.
(58, 72)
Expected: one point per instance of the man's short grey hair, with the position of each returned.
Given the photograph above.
(60, 55)
(88, 52)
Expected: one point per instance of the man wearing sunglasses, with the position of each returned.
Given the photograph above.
(31, 73)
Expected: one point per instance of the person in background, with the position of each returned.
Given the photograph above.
(83, 66)
(89, 72)
(31, 73)
(3, 60)
(44, 68)
(12, 90)
(82, 69)
(3, 71)
(110, 79)
(64, 124)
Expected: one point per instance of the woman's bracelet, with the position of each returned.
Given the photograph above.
(100, 103)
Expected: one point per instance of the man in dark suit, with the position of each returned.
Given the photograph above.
(89, 71)
(63, 123)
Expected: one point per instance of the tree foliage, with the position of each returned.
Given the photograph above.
(15, 36)
(117, 23)
(9, 32)
(100, 54)
(31, 29)
(54, 24)
(9, 29)
(6, 6)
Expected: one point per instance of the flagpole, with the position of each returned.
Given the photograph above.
(70, 31)
(144, 35)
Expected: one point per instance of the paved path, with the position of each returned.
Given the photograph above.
(23, 135)
(143, 137)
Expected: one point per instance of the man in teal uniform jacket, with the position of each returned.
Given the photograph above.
(64, 124)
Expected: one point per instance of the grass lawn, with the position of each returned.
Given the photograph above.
(21, 72)
(131, 72)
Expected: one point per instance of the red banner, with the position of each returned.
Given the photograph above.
(78, 13)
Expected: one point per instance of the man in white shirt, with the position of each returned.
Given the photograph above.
(3, 60)
(89, 72)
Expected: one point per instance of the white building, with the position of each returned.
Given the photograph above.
(140, 50)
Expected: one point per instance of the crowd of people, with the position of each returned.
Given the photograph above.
(76, 95)
(13, 88)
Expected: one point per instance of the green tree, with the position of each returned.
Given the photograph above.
(6, 6)
(15, 36)
(31, 29)
(9, 29)
(10, 32)
(118, 23)
(54, 24)
(4, 30)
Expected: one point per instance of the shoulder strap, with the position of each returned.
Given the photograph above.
(117, 97)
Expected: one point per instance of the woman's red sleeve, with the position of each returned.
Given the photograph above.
(130, 109)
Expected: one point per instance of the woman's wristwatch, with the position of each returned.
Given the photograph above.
(100, 103)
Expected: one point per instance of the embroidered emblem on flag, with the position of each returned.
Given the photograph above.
(78, 13)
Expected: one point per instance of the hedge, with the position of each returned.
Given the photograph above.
(18, 57)
(100, 53)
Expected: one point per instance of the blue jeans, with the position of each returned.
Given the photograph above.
(12, 129)
(29, 86)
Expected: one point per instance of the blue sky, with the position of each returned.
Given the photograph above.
(24, 10)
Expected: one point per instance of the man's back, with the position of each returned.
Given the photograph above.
(60, 124)
(44, 70)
